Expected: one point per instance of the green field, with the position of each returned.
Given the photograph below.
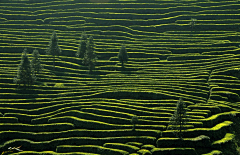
(90, 114)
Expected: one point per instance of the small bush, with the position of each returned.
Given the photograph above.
(153, 82)
(59, 85)
(238, 150)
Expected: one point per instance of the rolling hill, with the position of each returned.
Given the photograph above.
(91, 113)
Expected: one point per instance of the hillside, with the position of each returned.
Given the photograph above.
(91, 114)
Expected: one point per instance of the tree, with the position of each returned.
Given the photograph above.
(25, 73)
(35, 62)
(53, 48)
(178, 119)
(193, 22)
(134, 121)
(90, 56)
(82, 48)
(122, 55)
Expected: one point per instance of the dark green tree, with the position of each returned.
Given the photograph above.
(90, 56)
(122, 55)
(178, 119)
(25, 73)
(53, 48)
(35, 62)
(134, 121)
(82, 48)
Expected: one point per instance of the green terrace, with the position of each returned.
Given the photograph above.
(69, 111)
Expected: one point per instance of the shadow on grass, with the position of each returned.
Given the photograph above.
(23, 89)
(127, 70)
(95, 74)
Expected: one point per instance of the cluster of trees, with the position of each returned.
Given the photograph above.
(86, 51)
(27, 70)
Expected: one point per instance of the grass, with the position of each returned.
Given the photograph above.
(167, 60)
(59, 85)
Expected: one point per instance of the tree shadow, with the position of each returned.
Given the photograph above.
(124, 70)
(26, 90)
(94, 74)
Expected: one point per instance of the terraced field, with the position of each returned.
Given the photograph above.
(92, 113)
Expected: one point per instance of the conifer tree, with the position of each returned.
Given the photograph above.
(178, 119)
(25, 73)
(122, 55)
(90, 56)
(53, 48)
(35, 62)
(82, 48)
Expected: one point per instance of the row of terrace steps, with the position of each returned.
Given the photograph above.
(72, 64)
(109, 109)
(224, 83)
(59, 120)
(139, 49)
(104, 17)
(212, 79)
(54, 81)
(208, 142)
(68, 80)
(164, 145)
(222, 42)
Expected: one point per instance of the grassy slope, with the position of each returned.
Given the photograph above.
(167, 60)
